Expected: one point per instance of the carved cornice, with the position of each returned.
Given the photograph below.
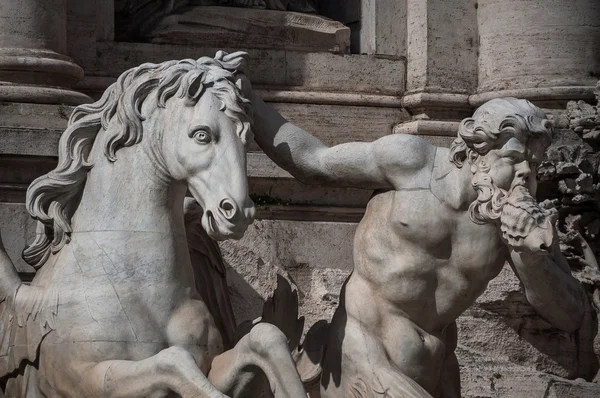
(428, 127)
(565, 93)
(437, 105)
(330, 98)
(418, 102)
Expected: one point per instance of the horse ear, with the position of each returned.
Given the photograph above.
(236, 61)
(243, 83)
(195, 87)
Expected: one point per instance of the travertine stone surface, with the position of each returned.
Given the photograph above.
(442, 46)
(225, 27)
(503, 326)
(295, 70)
(33, 44)
(382, 27)
(88, 21)
(441, 70)
(296, 249)
(538, 43)
(488, 376)
(135, 19)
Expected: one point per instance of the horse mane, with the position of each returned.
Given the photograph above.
(53, 198)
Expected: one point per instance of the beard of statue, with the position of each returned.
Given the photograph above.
(516, 211)
(487, 207)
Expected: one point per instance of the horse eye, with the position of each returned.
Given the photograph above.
(202, 137)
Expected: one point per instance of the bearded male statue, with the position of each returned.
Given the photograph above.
(442, 226)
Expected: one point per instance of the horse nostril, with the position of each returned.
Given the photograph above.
(543, 247)
(227, 209)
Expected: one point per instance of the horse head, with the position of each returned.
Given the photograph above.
(205, 131)
(195, 121)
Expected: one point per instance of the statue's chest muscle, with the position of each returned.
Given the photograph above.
(477, 249)
(417, 221)
(418, 216)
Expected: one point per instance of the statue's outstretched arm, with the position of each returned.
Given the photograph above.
(393, 161)
(550, 288)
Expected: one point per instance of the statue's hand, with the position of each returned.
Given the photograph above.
(538, 241)
(526, 227)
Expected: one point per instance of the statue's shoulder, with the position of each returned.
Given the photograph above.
(408, 160)
(410, 147)
(448, 182)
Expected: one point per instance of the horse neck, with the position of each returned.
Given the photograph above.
(132, 194)
(132, 213)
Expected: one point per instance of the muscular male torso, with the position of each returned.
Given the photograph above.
(419, 258)
(419, 262)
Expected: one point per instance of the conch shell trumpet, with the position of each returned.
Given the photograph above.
(525, 226)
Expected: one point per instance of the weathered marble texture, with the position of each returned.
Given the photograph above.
(439, 230)
(365, 106)
(115, 307)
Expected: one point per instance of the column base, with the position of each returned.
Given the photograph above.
(39, 76)
(41, 95)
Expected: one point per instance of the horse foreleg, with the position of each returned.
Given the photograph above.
(263, 350)
(171, 370)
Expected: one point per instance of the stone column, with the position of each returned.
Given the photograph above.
(33, 67)
(378, 27)
(383, 27)
(441, 66)
(538, 49)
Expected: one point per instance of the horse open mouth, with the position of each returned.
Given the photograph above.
(218, 228)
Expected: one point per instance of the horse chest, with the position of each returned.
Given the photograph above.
(104, 296)
(144, 315)
(107, 311)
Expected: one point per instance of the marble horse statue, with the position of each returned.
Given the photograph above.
(114, 310)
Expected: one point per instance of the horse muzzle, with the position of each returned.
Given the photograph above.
(227, 220)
